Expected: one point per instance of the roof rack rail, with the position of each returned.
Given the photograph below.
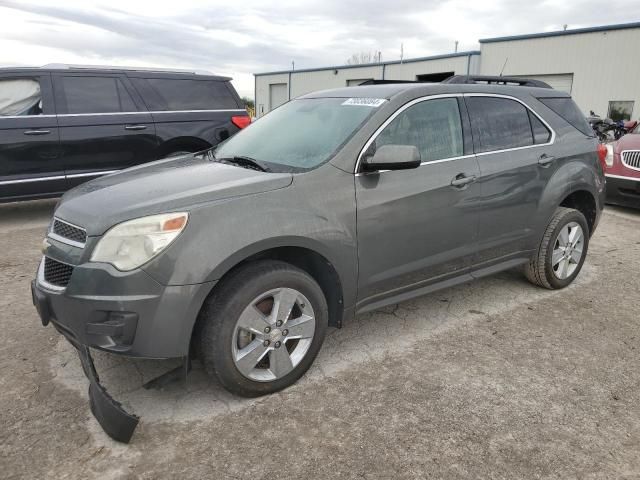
(386, 82)
(496, 80)
(67, 66)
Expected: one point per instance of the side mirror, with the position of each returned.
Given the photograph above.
(393, 157)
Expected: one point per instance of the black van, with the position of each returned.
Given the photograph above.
(61, 125)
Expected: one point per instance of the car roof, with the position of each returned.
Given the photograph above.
(391, 90)
(129, 71)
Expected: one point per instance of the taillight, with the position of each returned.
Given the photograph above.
(241, 121)
(602, 154)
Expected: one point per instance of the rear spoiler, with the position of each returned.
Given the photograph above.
(493, 80)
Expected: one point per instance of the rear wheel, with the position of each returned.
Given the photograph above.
(262, 329)
(561, 252)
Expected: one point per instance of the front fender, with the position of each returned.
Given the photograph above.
(222, 234)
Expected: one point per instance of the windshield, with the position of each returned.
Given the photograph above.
(301, 134)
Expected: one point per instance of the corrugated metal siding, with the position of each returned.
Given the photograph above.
(409, 71)
(604, 64)
(309, 81)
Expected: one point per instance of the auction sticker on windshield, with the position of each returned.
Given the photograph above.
(364, 102)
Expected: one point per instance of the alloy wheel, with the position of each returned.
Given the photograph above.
(273, 334)
(567, 250)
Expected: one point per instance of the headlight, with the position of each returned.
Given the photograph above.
(133, 243)
(609, 158)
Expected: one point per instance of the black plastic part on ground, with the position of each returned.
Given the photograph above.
(113, 419)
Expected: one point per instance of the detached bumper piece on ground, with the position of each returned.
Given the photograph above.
(113, 419)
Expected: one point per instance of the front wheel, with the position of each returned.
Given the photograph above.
(561, 252)
(262, 328)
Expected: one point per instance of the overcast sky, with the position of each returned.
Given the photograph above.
(239, 38)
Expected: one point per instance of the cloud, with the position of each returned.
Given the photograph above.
(239, 40)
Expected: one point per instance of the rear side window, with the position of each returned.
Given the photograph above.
(567, 109)
(499, 123)
(20, 97)
(433, 126)
(177, 94)
(541, 133)
(96, 95)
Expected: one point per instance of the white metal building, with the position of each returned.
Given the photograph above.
(599, 66)
(274, 88)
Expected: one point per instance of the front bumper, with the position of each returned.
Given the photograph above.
(124, 313)
(624, 191)
(116, 422)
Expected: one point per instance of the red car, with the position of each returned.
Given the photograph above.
(622, 169)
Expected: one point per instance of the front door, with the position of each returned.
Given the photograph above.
(414, 226)
(513, 148)
(29, 148)
(102, 128)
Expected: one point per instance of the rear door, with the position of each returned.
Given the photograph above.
(29, 150)
(414, 226)
(102, 128)
(512, 144)
(190, 114)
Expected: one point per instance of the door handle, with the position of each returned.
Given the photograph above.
(461, 180)
(37, 132)
(135, 127)
(545, 160)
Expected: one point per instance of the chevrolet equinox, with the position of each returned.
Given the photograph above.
(338, 202)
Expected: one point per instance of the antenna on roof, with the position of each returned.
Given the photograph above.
(505, 64)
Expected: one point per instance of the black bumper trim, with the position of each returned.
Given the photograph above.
(114, 420)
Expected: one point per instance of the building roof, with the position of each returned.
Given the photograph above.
(576, 31)
(362, 65)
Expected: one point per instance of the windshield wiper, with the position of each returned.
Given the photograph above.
(241, 161)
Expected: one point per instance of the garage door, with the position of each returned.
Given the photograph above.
(562, 81)
(278, 94)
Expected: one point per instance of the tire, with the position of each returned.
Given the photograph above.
(544, 269)
(240, 316)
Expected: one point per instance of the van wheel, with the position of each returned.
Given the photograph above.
(562, 251)
(262, 328)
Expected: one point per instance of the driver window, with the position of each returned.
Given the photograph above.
(20, 96)
(433, 126)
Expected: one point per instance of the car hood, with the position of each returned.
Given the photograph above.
(164, 186)
(630, 141)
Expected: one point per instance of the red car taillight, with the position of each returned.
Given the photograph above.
(241, 121)
(602, 154)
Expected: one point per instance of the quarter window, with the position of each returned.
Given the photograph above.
(541, 133)
(20, 96)
(433, 126)
(192, 94)
(499, 123)
(96, 95)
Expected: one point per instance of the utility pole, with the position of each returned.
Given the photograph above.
(456, 48)
(401, 52)
(293, 65)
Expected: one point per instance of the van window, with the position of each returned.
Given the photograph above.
(96, 95)
(499, 123)
(20, 96)
(179, 94)
(433, 126)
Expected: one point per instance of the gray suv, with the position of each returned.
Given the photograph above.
(337, 203)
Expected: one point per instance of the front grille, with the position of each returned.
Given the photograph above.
(631, 158)
(57, 273)
(68, 231)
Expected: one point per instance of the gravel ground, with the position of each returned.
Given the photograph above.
(493, 379)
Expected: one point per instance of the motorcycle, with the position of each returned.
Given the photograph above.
(602, 127)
